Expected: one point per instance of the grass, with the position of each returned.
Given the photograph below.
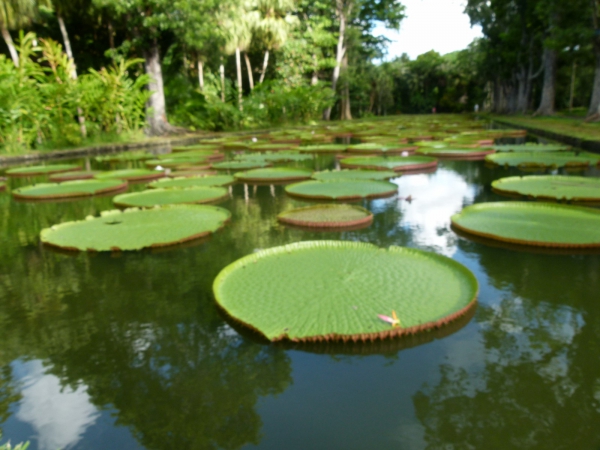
(560, 123)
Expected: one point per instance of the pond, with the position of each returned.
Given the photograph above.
(128, 350)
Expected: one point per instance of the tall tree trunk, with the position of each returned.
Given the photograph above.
(549, 89)
(238, 66)
(10, 44)
(264, 67)
(222, 75)
(594, 109)
(111, 35)
(249, 69)
(340, 52)
(69, 51)
(572, 90)
(156, 106)
(346, 113)
(201, 74)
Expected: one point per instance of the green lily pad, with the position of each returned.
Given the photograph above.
(270, 147)
(531, 148)
(191, 173)
(68, 189)
(124, 157)
(176, 162)
(543, 159)
(188, 148)
(2, 186)
(273, 174)
(336, 290)
(326, 148)
(395, 163)
(153, 197)
(455, 153)
(31, 171)
(131, 174)
(283, 156)
(349, 174)
(528, 223)
(191, 153)
(77, 175)
(327, 216)
(135, 229)
(240, 165)
(379, 148)
(553, 187)
(184, 182)
(342, 189)
(235, 145)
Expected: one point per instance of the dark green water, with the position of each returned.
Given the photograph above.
(128, 351)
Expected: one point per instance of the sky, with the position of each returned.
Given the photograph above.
(439, 25)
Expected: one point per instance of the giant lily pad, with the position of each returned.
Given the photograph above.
(184, 182)
(325, 148)
(531, 147)
(131, 174)
(273, 174)
(201, 147)
(2, 186)
(31, 171)
(553, 187)
(327, 216)
(69, 189)
(395, 163)
(348, 174)
(135, 229)
(342, 189)
(528, 223)
(153, 197)
(544, 159)
(336, 290)
(176, 161)
(455, 153)
(77, 175)
(240, 165)
(283, 156)
(388, 149)
(271, 147)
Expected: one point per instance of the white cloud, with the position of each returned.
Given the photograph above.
(439, 25)
(59, 416)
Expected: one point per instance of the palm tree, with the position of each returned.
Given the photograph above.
(15, 14)
(272, 26)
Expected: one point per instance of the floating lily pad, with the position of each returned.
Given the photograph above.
(531, 148)
(349, 174)
(271, 147)
(131, 174)
(69, 189)
(77, 175)
(543, 159)
(187, 148)
(191, 173)
(135, 229)
(273, 174)
(276, 157)
(184, 182)
(336, 290)
(31, 171)
(327, 216)
(395, 163)
(327, 148)
(529, 223)
(553, 187)
(2, 186)
(379, 148)
(240, 165)
(153, 197)
(176, 162)
(124, 157)
(342, 189)
(455, 153)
